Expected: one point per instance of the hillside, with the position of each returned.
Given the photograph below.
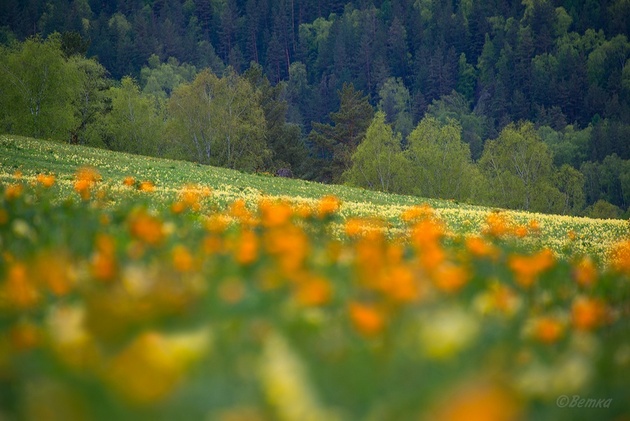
(565, 235)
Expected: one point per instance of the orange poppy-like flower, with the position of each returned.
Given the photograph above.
(354, 227)
(85, 180)
(52, 270)
(129, 181)
(450, 278)
(548, 330)
(526, 269)
(416, 213)
(534, 226)
(367, 320)
(480, 247)
(314, 291)
(238, 210)
(46, 180)
(588, 313)
(178, 207)
(13, 191)
(328, 205)
(104, 265)
(247, 248)
(147, 186)
(274, 213)
(19, 288)
(25, 336)
(400, 284)
(520, 231)
(497, 225)
(478, 401)
(217, 223)
(146, 228)
(585, 272)
(182, 259)
(620, 257)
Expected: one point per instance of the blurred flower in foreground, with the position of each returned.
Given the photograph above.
(526, 269)
(445, 332)
(620, 257)
(46, 180)
(85, 180)
(150, 368)
(328, 205)
(478, 401)
(286, 385)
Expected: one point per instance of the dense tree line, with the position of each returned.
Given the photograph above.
(307, 85)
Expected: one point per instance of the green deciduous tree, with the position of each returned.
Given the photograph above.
(135, 123)
(519, 168)
(379, 162)
(440, 160)
(218, 121)
(37, 89)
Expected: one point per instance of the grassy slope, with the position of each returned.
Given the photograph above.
(33, 156)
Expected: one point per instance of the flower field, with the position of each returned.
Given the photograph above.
(136, 288)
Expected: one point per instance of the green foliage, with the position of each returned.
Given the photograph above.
(519, 168)
(440, 161)
(395, 102)
(336, 143)
(218, 121)
(135, 123)
(160, 79)
(379, 163)
(37, 88)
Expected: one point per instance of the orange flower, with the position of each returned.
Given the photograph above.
(547, 330)
(416, 213)
(24, 336)
(478, 401)
(520, 231)
(146, 228)
(588, 313)
(104, 266)
(400, 284)
(247, 249)
(46, 180)
(147, 186)
(534, 225)
(217, 223)
(497, 225)
(19, 288)
(366, 319)
(85, 180)
(620, 257)
(479, 247)
(328, 205)
(314, 291)
(274, 214)
(527, 268)
(52, 269)
(129, 181)
(450, 278)
(182, 259)
(13, 191)
(211, 244)
(585, 272)
(238, 210)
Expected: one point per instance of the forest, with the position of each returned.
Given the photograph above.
(521, 105)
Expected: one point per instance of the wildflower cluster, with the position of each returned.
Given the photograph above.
(255, 311)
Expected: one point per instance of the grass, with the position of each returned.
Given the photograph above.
(565, 235)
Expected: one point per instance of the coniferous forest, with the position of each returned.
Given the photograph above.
(513, 104)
